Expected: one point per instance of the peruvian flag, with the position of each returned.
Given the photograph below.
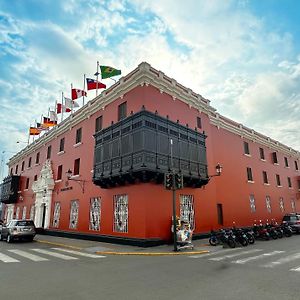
(76, 93)
(93, 84)
(62, 108)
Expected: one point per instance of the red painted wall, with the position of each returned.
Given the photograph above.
(150, 205)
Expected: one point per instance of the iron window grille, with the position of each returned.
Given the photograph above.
(281, 204)
(24, 213)
(95, 214)
(252, 204)
(121, 213)
(293, 205)
(187, 212)
(56, 215)
(268, 204)
(74, 214)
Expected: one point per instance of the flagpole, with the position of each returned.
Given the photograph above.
(28, 135)
(83, 89)
(62, 106)
(97, 78)
(71, 99)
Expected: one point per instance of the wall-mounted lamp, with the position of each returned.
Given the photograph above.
(81, 182)
(219, 169)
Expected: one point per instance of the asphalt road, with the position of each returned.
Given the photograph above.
(261, 271)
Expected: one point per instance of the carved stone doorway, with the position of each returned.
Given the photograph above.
(43, 189)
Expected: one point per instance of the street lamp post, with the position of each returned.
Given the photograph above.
(173, 197)
(81, 182)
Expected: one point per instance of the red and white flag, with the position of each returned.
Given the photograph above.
(76, 93)
(60, 108)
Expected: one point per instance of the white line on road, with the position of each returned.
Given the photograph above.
(283, 260)
(28, 255)
(79, 253)
(7, 259)
(235, 254)
(242, 261)
(59, 255)
(215, 253)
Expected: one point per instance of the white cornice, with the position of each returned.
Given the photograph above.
(145, 75)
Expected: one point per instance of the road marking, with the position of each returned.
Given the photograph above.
(242, 261)
(235, 254)
(295, 269)
(283, 260)
(79, 253)
(28, 255)
(59, 255)
(7, 259)
(214, 253)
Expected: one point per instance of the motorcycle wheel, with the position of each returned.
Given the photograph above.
(274, 235)
(251, 239)
(213, 241)
(266, 237)
(288, 233)
(231, 243)
(280, 234)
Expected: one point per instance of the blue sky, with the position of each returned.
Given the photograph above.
(242, 55)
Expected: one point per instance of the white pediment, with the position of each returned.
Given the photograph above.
(45, 180)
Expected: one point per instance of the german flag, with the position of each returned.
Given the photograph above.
(48, 123)
(34, 131)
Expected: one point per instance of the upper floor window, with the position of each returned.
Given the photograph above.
(29, 162)
(17, 168)
(122, 111)
(37, 158)
(77, 166)
(11, 171)
(299, 184)
(249, 174)
(246, 148)
(23, 164)
(286, 162)
(62, 145)
(78, 135)
(98, 124)
(59, 172)
(35, 178)
(199, 123)
(262, 153)
(49, 152)
(289, 182)
(274, 158)
(278, 180)
(265, 177)
(296, 165)
(27, 184)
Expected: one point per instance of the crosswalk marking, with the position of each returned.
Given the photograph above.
(283, 260)
(214, 253)
(7, 259)
(59, 255)
(295, 269)
(235, 254)
(78, 253)
(28, 255)
(242, 261)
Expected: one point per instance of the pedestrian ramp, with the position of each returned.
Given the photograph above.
(40, 255)
(259, 257)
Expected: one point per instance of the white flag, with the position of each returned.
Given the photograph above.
(52, 115)
(70, 103)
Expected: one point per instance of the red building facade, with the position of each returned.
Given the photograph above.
(260, 178)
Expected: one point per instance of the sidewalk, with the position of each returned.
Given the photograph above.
(200, 246)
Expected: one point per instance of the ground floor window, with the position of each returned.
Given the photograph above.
(187, 212)
(252, 203)
(32, 212)
(24, 213)
(281, 204)
(17, 212)
(56, 215)
(268, 204)
(120, 213)
(220, 213)
(74, 214)
(293, 204)
(95, 213)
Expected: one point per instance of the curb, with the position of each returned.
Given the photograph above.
(151, 253)
(58, 244)
(127, 253)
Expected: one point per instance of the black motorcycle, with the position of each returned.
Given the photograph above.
(222, 237)
(240, 236)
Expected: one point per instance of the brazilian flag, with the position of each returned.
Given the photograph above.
(107, 72)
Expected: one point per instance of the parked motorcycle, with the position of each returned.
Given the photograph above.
(222, 237)
(287, 230)
(240, 236)
(250, 235)
(261, 232)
